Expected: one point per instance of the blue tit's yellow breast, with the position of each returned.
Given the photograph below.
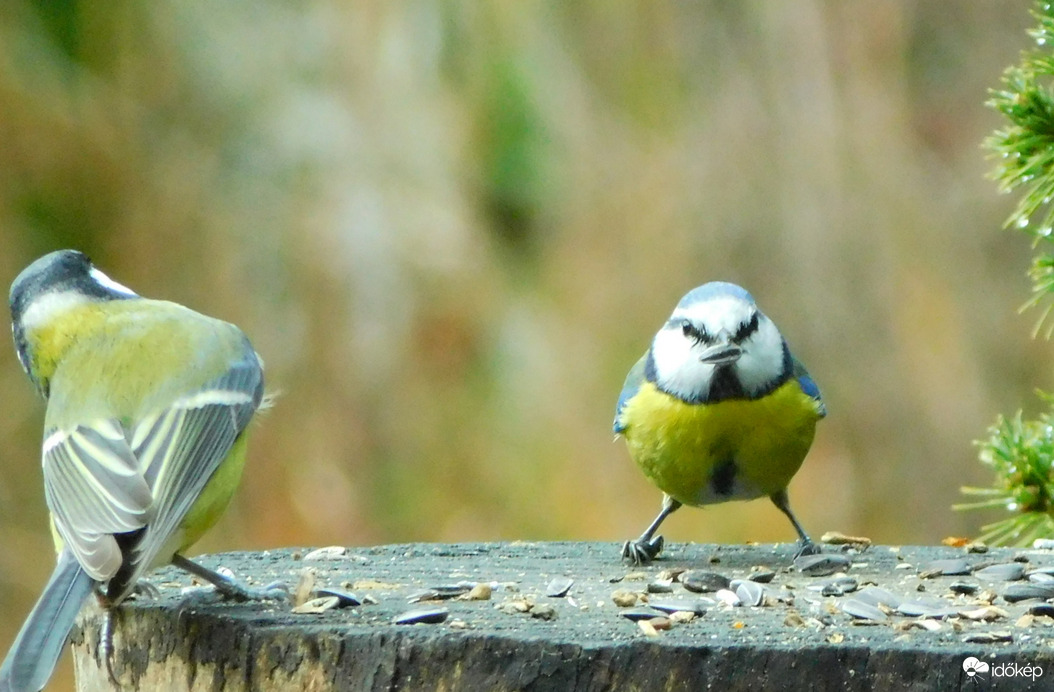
(734, 449)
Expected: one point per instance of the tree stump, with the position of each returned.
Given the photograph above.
(809, 631)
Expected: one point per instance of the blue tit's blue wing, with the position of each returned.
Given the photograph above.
(94, 489)
(631, 386)
(180, 448)
(808, 385)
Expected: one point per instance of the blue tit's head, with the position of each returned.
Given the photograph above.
(718, 345)
(50, 287)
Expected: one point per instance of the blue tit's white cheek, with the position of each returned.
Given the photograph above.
(106, 282)
(678, 369)
(762, 360)
(45, 309)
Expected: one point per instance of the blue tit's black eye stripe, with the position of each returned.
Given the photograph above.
(745, 330)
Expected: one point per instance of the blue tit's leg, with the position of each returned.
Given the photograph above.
(227, 587)
(646, 548)
(807, 546)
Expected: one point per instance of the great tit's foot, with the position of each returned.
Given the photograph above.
(145, 589)
(106, 646)
(642, 551)
(230, 589)
(807, 548)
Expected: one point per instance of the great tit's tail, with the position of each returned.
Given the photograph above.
(36, 651)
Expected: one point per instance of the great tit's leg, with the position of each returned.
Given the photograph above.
(227, 587)
(806, 546)
(648, 546)
(106, 644)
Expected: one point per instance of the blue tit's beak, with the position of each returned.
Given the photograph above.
(723, 352)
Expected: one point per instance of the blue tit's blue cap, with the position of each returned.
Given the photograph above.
(715, 289)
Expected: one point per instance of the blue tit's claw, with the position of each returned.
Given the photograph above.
(642, 551)
(808, 548)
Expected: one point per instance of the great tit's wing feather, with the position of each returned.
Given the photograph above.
(808, 385)
(94, 488)
(180, 448)
(630, 387)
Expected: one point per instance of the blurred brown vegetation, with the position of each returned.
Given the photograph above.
(451, 227)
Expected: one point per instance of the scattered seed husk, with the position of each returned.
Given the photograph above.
(984, 614)
(440, 593)
(877, 596)
(761, 574)
(345, 599)
(636, 614)
(1004, 571)
(1042, 610)
(304, 586)
(330, 552)
(750, 593)
(1025, 620)
(636, 576)
(822, 565)
(837, 538)
(700, 581)
(1023, 591)
(927, 608)
(671, 575)
(728, 597)
(479, 592)
(624, 598)
(516, 605)
(1040, 577)
(317, 605)
(660, 587)
(559, 586)
(963, 587)
(681, 617)
(794, 620)
(373, 584)
(945, 568)
(1043, 544)
(429, 616)
(661, 623)
(978, 547)
(543, 611)
(678, 605)
(929, 624)
(988, 637)
(647, 628)
(861, 609)
(839, 586)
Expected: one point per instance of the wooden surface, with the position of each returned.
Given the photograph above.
(522, 639)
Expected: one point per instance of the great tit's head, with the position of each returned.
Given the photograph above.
(717, 345)
(52, 285)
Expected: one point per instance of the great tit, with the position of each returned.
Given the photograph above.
(148, 405)
(717, 409)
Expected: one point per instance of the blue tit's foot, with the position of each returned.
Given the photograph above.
(643, 550)
(807, 548)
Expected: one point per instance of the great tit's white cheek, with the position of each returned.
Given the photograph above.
(44, 309)
(106, 282)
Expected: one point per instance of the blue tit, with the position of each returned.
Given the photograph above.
(148, 405)
(717, 409)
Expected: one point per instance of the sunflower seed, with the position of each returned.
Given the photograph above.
(699, 581)
(559, 587)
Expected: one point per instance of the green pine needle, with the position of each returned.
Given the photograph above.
(1020, 452)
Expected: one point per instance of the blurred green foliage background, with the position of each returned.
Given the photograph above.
(451, 227)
